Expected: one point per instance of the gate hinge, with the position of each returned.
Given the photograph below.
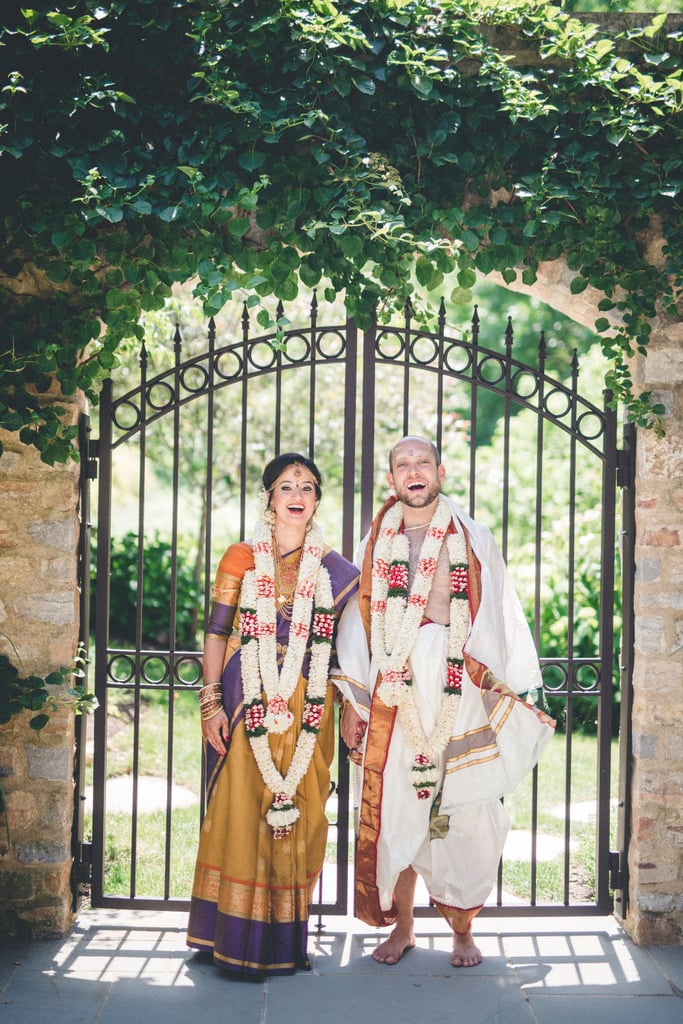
(624, 467)
(84, 867)
(91, 460)
(616, 874)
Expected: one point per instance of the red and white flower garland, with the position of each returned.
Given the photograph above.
(258, 628)
(396, 615)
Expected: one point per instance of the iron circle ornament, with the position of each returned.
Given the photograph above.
(330, 344)
(228, 365)
(524, 384)
(491, 369)
(555, 677)
(590, 425)
(166, 393)
(557, 403)
(121, 421)
(155, 669)
(458, 357)
(297, 349)
(262, 355)
(194, 378)
(424, 350)
(389, 344)
(188, 670)
(587, 677)
(121, 668)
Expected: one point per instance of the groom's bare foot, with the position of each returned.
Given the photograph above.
(465, 953)
(392, 949)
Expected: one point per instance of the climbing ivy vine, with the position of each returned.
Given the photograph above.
(257, 144)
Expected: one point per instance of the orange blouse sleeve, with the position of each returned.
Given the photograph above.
(224, 615)
(237, 560)
(230, 573)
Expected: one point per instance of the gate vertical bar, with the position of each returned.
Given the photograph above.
(139, 611)
(609, 489)
(407, 321)
(208, 518)
(243, 424)
(507, 410)
(349, 473)
(172, 641)
(507, 407)
(368, 430)
(474, 368)
(278, 385)
(101, 643)
(313, 377)
(87, 472)
(438, 440)
(571, 562)
(628, 541)
(538, 553)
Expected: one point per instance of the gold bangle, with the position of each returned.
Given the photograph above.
(210, 691)
(208, 704)
(207, 714)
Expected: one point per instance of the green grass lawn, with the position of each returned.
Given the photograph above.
(555, 877)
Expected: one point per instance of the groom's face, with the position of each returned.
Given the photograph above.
(415, 476)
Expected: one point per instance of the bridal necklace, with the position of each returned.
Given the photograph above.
(312, 623)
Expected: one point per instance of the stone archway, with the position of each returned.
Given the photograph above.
(39, 613)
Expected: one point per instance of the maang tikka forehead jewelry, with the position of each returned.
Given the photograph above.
(297, 471)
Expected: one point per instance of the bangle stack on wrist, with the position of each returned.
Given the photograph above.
(210, 700)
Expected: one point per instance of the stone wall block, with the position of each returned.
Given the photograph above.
(55, 763)
(45, 852)
(16, 885)
(661, 458)
(648, 570)
(7, 760)
(645, 747)
(653, 780)
(22, 810)
(662, 870)
(59, 534)
(649, 634)
(57, 811)
(56, 609)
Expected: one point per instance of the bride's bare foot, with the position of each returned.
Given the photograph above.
(392, 949)
(465, 953)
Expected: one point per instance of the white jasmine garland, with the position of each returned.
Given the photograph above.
(260, 673)
(396, 615)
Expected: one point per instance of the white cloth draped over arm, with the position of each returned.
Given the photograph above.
(500, 637)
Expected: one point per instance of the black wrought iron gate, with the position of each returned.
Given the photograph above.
(189, 441)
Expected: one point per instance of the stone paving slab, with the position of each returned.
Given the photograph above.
(135, 967)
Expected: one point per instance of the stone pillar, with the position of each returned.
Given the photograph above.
(655, 854)
(39, 626)
(655, 913)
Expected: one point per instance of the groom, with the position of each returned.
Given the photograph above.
(434, 657)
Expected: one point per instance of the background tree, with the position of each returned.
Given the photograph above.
(145, 143)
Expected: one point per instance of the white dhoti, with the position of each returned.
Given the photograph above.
(459, 866)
